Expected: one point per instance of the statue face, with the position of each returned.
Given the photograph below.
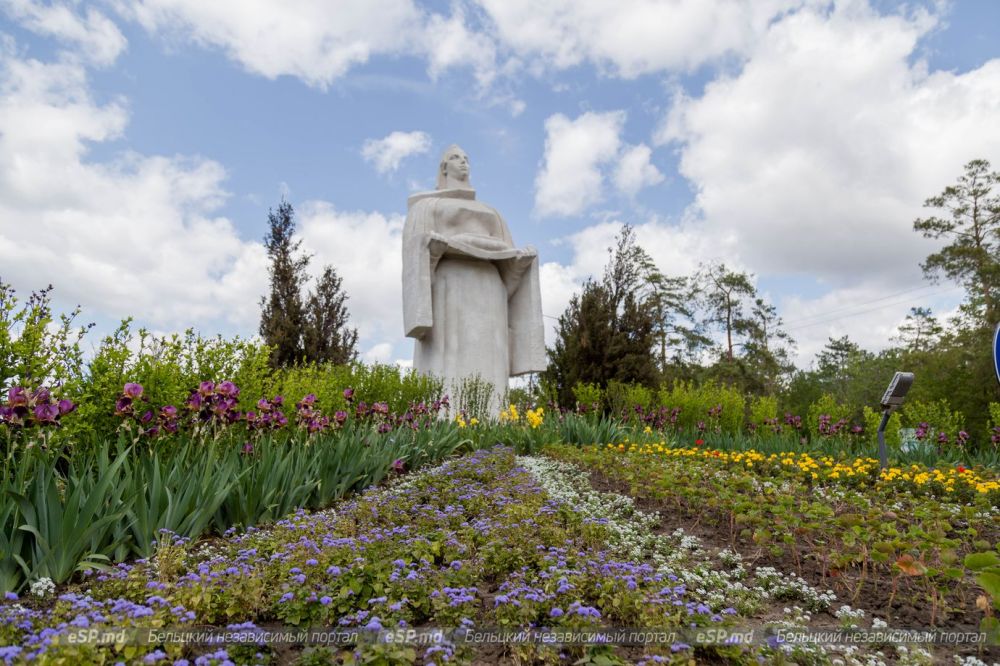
(456, 165)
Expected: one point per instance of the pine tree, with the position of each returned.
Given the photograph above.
(607, 331)
(283, 315)
(328, 338)
(314, 329)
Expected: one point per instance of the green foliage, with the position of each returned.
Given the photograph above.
(826, 405)
(873, 418)
(311, 329)
(763, 408)
(35, 348)
(695, 402)
(168, 368)
(607, 331)
(476, 398)
(972, 228)
(588, 396)
(622, 399)
(938, 414)
(398, 387)
(69, 526)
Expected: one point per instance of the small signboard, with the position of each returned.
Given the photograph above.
(996, 351)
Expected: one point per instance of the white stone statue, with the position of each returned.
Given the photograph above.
(470, 298)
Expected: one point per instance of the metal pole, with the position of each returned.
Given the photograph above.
(883, 456)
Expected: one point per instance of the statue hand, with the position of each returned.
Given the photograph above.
(527, 251)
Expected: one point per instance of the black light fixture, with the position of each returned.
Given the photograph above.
(891, 399)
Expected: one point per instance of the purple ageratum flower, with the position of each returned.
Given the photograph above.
(556, 612)
(348, 394)
(326, 601)
(374, 624)
(132, 390)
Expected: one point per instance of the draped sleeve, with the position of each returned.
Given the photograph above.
(418, 316)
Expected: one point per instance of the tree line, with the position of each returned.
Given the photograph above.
(636, 324)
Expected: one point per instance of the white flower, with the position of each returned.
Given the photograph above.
(43, 587)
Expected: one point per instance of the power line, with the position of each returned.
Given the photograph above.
(862, 303)
(860, 312)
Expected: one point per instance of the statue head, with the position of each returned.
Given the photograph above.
(453, 172)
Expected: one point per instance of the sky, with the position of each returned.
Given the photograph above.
(142, 144)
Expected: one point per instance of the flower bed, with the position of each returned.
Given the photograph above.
(482, 541)
(893, 542)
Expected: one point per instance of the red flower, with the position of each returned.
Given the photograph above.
(699, 442)
(961, 470)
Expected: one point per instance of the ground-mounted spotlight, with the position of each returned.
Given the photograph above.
(891, 399)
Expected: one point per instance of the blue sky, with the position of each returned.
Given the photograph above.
(142, 143)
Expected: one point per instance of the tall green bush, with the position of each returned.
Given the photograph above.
(695, 403)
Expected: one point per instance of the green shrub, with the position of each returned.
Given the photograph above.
(699, 404)
(588, 396)
(937, 414)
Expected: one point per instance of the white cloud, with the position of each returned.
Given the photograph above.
(817, 156)
(388, 152)
(96, 36)
(570, 178)
(632, 37)
(822, 150)
(635, 171)
(135, 236)
(365, 248)
(313, 40)
(448, 42)
(319, 41)
(862, 312)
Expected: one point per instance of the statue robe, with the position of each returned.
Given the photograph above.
(470, 299)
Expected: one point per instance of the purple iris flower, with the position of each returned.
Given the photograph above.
(46, 413)
(206, 388)
(66, 406)
(168, 411)
(132, 390)
(17, 396)
(227, 388)
(348, 394)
